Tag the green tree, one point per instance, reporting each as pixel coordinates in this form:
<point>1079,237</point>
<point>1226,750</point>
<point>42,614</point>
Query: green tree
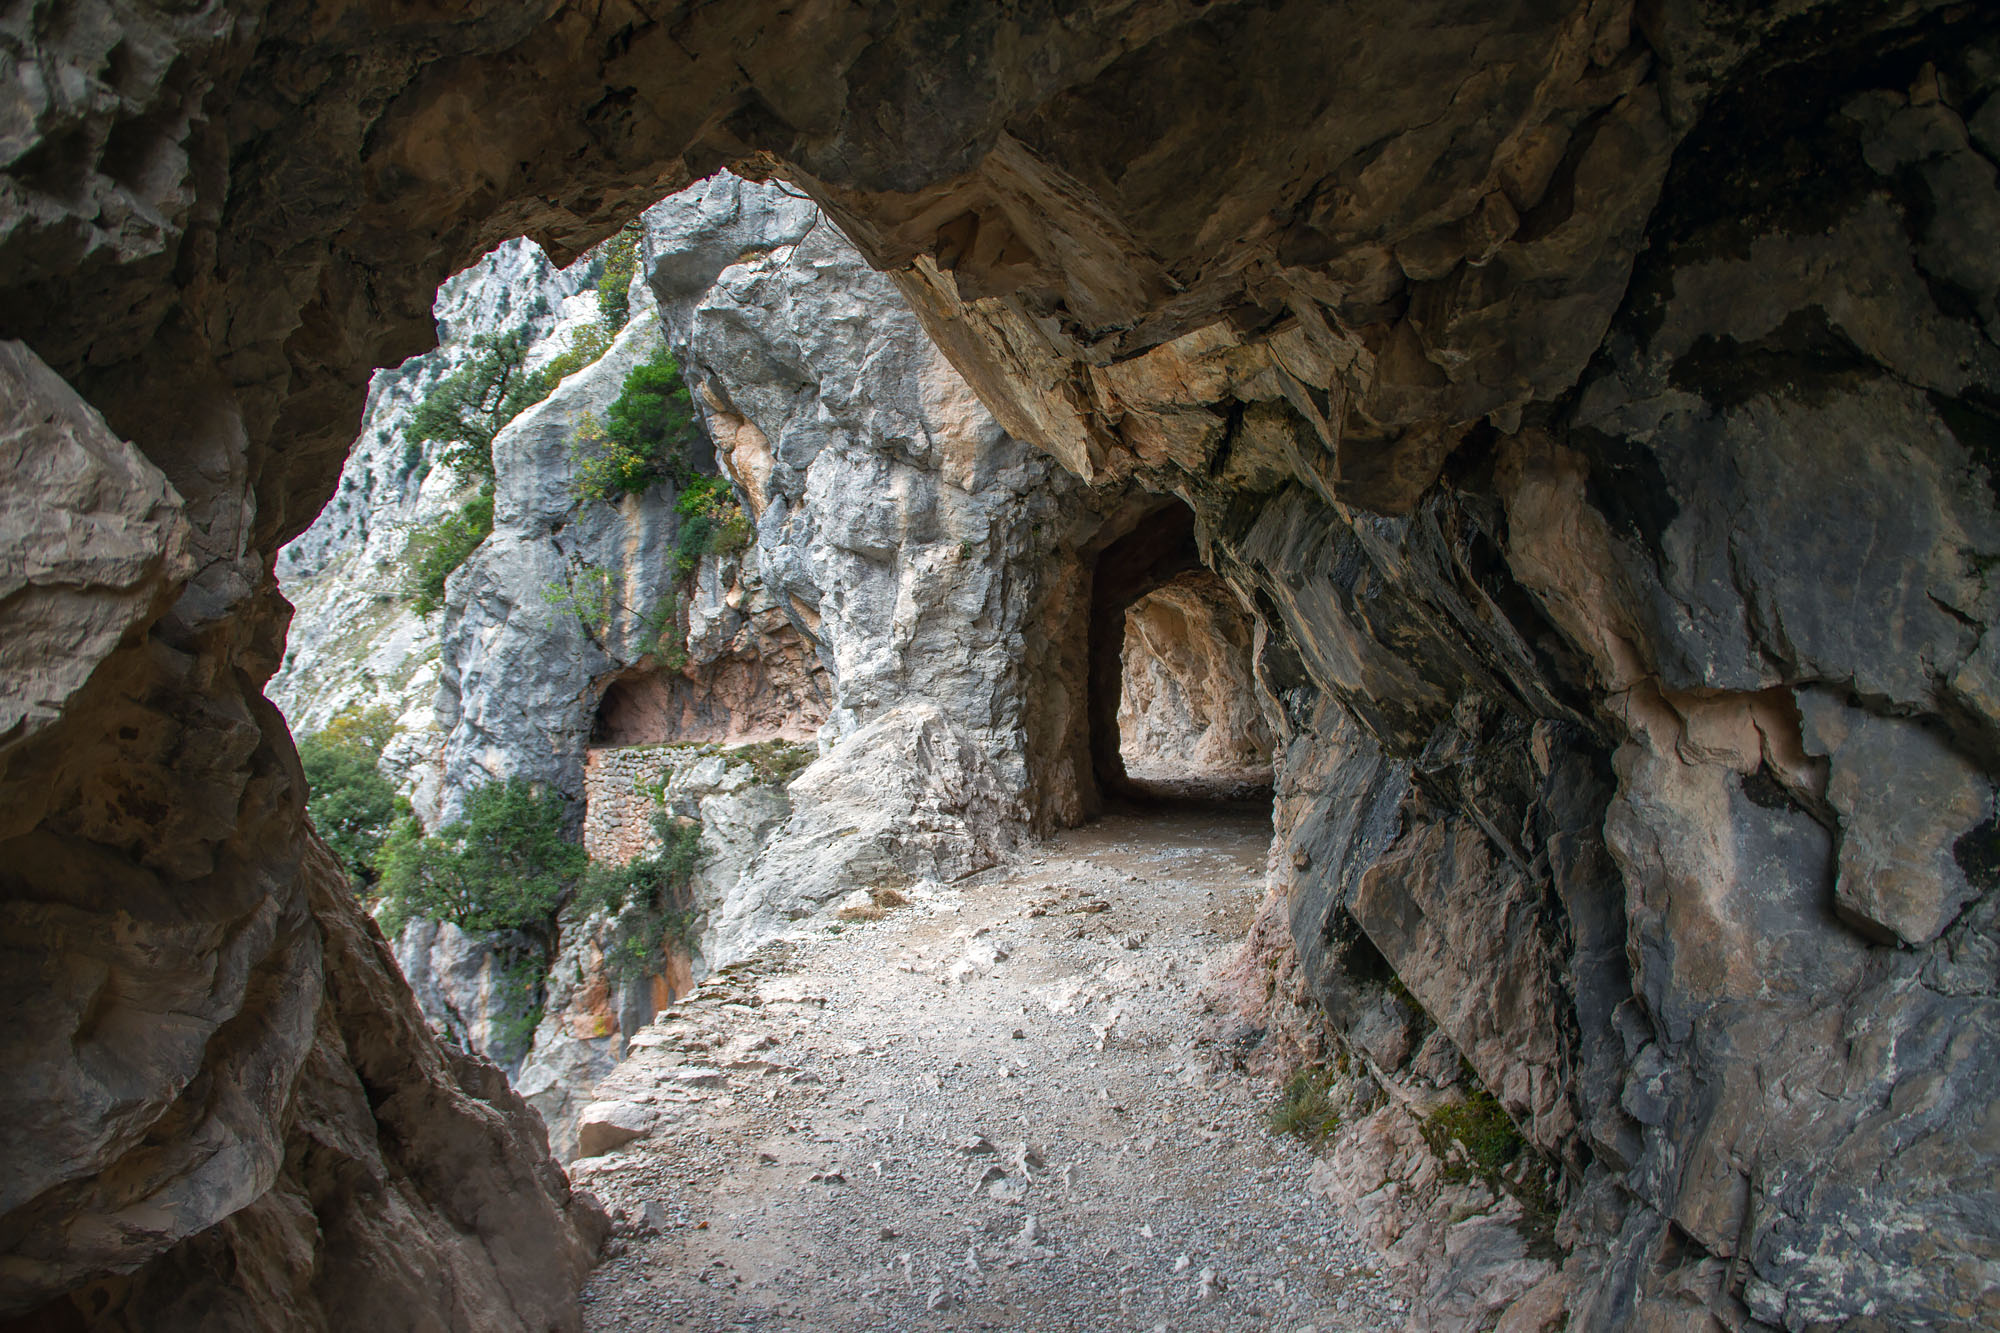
<point>352,805</point>
<point>505,866</point>
<point>647,897</point>
<point>470,405</point>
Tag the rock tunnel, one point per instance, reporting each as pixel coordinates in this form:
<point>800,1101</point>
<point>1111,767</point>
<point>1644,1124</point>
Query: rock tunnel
<point>1595,402</point>
<point>1174,710</point>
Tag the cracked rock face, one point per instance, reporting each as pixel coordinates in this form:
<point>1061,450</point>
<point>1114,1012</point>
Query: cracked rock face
<point>1594,402</point>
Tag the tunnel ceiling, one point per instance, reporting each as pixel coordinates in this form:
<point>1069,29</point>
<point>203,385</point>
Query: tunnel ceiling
<point>1398,218</point>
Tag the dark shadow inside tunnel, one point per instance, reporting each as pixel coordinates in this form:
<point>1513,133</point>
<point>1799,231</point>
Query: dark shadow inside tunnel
<point>1174,710</point>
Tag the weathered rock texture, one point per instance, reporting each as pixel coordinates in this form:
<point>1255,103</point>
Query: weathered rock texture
<point>355,641</point>
<point>1189,705</point>
<point>590,1012</point>
<point>1594,401</point>
<point>916,546</point>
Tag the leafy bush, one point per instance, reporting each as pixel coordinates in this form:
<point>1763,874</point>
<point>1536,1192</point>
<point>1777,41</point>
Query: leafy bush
<point>614,284</point>
<point>643,437</point>
<point>648,899</point>
<point>469,406</point>
<point>505,866</point>
<point>352,805</point>
<point>712,523</point>
<point>586,345</point>
<point>439,547</point>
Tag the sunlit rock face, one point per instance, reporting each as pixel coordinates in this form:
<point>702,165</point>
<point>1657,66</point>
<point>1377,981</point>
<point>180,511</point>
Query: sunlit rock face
<point>1189,705</point>
<point>1594,403</point>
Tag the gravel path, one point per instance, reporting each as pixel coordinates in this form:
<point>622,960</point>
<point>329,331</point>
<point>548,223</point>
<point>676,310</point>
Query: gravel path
<point>999,1107</point>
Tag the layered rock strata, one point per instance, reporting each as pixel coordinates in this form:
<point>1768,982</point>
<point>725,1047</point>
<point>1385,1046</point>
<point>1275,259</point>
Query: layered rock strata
<point>1593,400</point>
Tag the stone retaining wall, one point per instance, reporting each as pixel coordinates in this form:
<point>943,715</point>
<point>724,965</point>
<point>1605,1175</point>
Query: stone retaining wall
<point>618,815</point>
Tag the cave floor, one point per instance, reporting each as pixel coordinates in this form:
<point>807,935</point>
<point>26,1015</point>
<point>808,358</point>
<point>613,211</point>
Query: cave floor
<point>1005,1106</point>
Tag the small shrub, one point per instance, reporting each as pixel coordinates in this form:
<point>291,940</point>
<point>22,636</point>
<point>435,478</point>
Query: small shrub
<point>663,636</point>
<point>591,595</point>
<point>439,547</point>
<point>1305,1108</point>
<point>586,345</point>
<point>647,899</point>
<point>643,438</point>
<point>776,762</point>
<point>520,997</point>
<point>1479,1128</point>
<point>614,283</point>
<point>352,805</point>
<point>712,523</point>
<point>1476,1140</point>
<point>504,866</point>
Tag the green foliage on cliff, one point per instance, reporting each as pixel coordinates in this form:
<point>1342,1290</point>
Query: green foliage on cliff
<point>647,898</point>
<point>441,546</point>
<point>712,523</point>
<point>585,346</point>
<point>505,866</point>
<point>643,438</point>
<point>352,805</point>
<point>470,405</point>
<point>614,284</point>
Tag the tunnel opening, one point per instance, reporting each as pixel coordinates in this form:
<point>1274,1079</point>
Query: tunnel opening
<point>1175,715</point>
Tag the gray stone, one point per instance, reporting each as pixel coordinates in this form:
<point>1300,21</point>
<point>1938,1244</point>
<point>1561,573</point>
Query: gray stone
<point>1904,798</point>
<point>602,1127</point>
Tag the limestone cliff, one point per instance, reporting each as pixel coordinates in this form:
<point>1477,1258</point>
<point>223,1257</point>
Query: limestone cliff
<point>886,603</point>
<point>355,641</point>
<point>1594,402</point>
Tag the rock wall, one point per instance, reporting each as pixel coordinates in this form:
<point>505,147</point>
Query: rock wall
<point>1590,517</point>
<point>741,807</point>
<point>915,544</point>
<point>1585,793</point>
<point>218,1069</point>
<point>1190,704</point>
<point>910,542</point>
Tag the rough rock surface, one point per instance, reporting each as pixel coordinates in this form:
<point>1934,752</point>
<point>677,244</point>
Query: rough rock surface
<point>915,545</point>
<point>1568,387</point>
<point>224,1072</point>
<point>355,641</point>
<point>1190,703</point>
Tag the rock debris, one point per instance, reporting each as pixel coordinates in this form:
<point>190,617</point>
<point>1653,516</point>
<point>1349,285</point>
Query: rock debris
<point>1052,1138</point>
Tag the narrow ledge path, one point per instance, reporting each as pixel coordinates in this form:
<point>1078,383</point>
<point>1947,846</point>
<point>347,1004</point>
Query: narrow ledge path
<point>1003,1106</point>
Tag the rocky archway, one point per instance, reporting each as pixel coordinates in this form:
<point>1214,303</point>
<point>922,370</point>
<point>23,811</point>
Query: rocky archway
<point>1154,238</point>
<point>1171,679</point>
<point>1158,547</point>
<point>1190,722</point>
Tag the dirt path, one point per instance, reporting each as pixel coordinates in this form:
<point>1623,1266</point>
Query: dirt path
<point>1000,1107</point>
